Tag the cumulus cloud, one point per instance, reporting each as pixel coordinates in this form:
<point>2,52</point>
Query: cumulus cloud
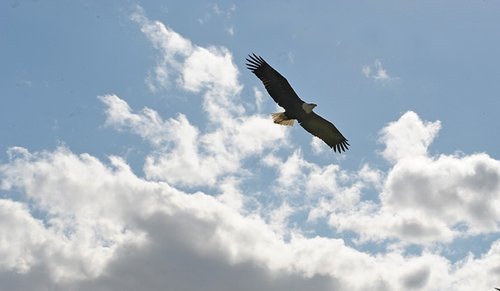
<point>408,137</point>
<point>16,220</point>
<point>71,221</point>
<point>73,236</point>
<point>118,222</point>
<point>195,158</point>
<point>178,232</point>
<point>115,230</point>
<point>452,188</point>
<point>210,71</point>
<point>425,198</point>
<point>186,156</point>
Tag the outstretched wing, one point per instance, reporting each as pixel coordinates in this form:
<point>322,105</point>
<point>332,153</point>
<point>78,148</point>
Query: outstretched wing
<point>324,129</point>
<point>276,85</point>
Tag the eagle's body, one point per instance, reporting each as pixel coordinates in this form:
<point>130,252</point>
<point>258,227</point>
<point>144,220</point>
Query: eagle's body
<point>295,108</point>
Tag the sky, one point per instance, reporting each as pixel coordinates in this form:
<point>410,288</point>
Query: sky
<point>138,153</point>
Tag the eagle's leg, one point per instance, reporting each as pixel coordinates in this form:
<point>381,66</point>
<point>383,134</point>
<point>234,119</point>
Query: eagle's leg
<point>281,118</point>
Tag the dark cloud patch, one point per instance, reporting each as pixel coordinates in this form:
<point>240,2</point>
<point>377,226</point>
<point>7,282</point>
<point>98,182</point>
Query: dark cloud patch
<point>177,257</point>
<point>484,179</point>
<point>415,229</point>
<point>37,278</point>
<point>417,279</point>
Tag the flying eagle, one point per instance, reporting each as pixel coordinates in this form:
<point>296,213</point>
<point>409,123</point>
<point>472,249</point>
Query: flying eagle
<point>295,109</point>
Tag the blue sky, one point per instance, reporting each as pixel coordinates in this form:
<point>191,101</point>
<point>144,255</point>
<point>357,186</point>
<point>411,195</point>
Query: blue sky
<point>138,151</point>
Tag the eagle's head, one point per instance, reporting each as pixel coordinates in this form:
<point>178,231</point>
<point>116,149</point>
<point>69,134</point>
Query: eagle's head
<point>308,107</point>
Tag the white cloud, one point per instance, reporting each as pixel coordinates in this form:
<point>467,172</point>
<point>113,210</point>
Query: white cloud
<point>148,124</point>
<point>210,71</point>
<point>366,70</point>
<point>423,198</point>
<point>318,146</point>
<point>259,98</point>
<point>408,137</point>
<point>78,236</point>
<point>194,158</point>
<point>485,270</point>
<point>453,189</point>
<point>186,156</point>
<point>17,225</point>
<point>377,72</point>
<point>96,214</point>
<point>196,227</point>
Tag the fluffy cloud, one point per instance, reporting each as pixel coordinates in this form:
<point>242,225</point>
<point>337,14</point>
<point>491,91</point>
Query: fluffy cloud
<point>104,228</point>
<point>408,137</point>
<point>210,71</point>
<point>73,235</point>
<point>17,221</point>
<point>426,198</point>
<point>70,221</point>
<point>87,219</point>
<point>455,189</point>
<point>186,156</point>
<point>195,158</point>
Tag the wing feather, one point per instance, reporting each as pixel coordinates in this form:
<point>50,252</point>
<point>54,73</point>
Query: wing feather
<point>276,85</point>
<point>325,130</point>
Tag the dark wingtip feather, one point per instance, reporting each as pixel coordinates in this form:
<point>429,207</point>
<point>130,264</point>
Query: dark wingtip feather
<point>254,62</point>
<point>341,147</point>
<point>336,148</point>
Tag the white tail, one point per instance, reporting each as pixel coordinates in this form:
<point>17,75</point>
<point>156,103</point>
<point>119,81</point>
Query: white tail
<point>280,118</point>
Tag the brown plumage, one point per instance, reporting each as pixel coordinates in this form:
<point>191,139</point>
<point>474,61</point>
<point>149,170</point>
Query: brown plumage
<point>295,108</point>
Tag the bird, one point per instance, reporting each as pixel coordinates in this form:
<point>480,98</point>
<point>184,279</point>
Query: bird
<point>295,108</point>
<point>497,289</point>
